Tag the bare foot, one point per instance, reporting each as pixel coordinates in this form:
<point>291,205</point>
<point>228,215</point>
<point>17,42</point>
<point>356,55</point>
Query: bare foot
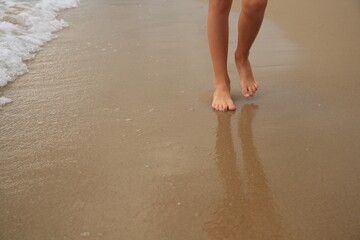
<point>222,100</point>
<point>247,81</point>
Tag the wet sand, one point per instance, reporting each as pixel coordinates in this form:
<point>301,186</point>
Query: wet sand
<point>111,135</point>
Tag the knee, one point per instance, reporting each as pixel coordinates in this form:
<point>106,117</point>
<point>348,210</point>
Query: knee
<point>254,6</point>
<point>220,6</point>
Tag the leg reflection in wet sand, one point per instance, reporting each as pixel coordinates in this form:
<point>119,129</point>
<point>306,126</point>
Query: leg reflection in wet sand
<point>247,209</point>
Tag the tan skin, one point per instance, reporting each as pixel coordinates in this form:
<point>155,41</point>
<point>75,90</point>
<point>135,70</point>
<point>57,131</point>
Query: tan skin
<point>250,20</point>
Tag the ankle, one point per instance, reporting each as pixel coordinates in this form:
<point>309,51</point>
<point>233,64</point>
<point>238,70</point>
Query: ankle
<point>222,80</point>
<point>222,86</point>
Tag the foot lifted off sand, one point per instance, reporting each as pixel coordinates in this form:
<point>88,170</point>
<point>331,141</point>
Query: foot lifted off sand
<point>248,83</point>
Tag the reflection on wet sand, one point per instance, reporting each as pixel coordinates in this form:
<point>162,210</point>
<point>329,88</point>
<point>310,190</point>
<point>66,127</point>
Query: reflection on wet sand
<point>247,209</point>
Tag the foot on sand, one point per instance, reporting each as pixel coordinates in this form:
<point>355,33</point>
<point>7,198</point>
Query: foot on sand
<point>222,100</point>
<point>247,81</point>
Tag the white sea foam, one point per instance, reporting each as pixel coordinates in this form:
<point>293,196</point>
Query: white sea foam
<point>4,100</point>
<point>24,27</point>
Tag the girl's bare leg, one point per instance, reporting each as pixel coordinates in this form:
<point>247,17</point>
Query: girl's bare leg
<point>250,20</point>
<point>218,36</point>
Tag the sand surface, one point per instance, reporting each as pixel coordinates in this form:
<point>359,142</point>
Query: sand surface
<point>111,135</point>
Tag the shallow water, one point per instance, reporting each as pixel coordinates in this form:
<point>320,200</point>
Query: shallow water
<point>24,27</point>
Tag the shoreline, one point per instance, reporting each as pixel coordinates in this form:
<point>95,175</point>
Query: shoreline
<point>111,134</point>
<point>25,29</point>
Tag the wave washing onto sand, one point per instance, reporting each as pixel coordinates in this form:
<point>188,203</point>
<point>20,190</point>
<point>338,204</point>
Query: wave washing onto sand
<point>24,27</point>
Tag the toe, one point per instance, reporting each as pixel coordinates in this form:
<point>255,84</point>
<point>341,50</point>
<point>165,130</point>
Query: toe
<point>218,107</point>
<point>222,108</point>
<point>253,90</point>
<point>225,107</point>
<point>215,106</point>
<point>245,92</point>
<point>232,107</point>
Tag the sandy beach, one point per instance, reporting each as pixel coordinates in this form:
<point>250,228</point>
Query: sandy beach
<point>110,134</point>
